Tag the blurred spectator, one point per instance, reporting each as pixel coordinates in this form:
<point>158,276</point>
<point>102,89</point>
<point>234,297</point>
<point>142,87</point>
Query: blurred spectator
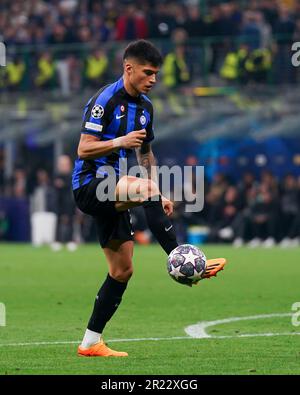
<point>75,71</point>
<point>290,207</point>
<point>296,36</point>
<point>4,225</point>
<point>45,77</point>
<point>214,30</point>
<point>101,31</point>
<point>269,8</point>
<point>42,207</point>
<point>60,36</point>
<point>180,15</point>
<point>214,197</point>
<point>161,21</point>
<point>175,69</point>
<point>65,207</point>
<point>223,21</point>
<point>284,27</point>
<point>131,24</point>
<point>84,35</point>
<point>292,238</point>
<point>195,25</point>
<point>96,67</point>
<point>245,185</point>
<point>43,197</point>
<point>264,212</point>
<point>218,186</point>
<point>284,31</point>
<point>196,29</point>
<point>258,65</point>
<point>38,35</point>
<point>269,181</point>
<point>265,31</point>
<point>230,206</point>
<point>15,71</point>
<point>251,32</point>
<point>233,68</point>
<point>19,183</point>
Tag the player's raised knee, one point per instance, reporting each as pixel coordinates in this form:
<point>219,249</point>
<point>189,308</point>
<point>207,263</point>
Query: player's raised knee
<point>122,274</point>
<point>148,189</point>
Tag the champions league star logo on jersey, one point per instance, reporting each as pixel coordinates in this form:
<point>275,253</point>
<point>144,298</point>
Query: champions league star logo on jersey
<point>97,111</point>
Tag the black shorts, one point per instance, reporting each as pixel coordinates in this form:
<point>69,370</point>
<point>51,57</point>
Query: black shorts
<point>111,224</point>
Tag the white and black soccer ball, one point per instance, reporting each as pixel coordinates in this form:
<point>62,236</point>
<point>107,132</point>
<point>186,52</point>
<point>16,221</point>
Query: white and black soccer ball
<point>186,264</point>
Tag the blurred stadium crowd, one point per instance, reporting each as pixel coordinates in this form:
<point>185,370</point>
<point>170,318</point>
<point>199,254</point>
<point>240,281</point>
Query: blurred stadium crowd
<point>262,211</point>
<point>70,43</point>
<point>255,212</point>
<point>69,21</point>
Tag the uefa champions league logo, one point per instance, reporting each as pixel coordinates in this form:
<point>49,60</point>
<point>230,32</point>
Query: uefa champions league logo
<point>296,55</point>
<point>2,314</point>
<point>2,55</point>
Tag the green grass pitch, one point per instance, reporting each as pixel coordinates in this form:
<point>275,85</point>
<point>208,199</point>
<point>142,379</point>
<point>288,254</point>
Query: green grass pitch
<point>48,298</point>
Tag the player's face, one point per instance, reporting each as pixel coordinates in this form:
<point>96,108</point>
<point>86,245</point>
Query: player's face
<point>142,77</point>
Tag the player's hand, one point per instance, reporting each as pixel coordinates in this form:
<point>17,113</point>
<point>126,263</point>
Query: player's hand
<point>134,139</point>
<point>168,206</point>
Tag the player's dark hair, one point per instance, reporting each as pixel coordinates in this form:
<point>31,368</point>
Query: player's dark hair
<point>144,52</point>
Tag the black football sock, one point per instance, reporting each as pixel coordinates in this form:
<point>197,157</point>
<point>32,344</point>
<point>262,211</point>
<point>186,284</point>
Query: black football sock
<point>159,224</point>
<point>107,301</point>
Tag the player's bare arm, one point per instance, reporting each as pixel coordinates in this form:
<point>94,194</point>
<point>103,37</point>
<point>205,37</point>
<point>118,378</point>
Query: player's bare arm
<point>146,159</point>
<point>91,147</point>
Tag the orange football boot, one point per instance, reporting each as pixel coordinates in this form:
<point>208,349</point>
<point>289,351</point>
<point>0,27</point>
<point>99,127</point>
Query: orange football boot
<point>213,266</point>
<point>100,350</point>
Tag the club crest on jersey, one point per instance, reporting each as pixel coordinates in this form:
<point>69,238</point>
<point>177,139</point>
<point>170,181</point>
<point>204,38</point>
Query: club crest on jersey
<point>122,108</point>
<point>97,111</point>
<point>143,120</point>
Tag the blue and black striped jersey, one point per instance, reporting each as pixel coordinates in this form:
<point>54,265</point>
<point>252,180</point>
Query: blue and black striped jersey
<point>112,113</point>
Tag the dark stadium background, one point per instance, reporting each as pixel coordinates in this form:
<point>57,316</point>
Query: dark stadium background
<point>231,104</point>
<point>228,99</point>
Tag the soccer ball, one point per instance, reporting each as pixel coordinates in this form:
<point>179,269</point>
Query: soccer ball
<point>186,264</point>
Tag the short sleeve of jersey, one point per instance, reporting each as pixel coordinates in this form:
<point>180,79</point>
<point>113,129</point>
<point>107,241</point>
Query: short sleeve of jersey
<point>149,128</point>
<point>95,117</point>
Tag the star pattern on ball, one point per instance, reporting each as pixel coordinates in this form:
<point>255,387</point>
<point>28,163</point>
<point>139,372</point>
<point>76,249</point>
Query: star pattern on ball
<point>189,257</point>
<point>175,272</point>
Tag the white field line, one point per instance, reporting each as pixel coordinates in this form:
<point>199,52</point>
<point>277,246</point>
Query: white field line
<point>196,331</point>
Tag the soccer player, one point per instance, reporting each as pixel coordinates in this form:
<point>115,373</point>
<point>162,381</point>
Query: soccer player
<point>117,120</point>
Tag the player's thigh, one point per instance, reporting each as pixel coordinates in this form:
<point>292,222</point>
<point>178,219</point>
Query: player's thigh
<point>119,257</point>
<point>133,191</point>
